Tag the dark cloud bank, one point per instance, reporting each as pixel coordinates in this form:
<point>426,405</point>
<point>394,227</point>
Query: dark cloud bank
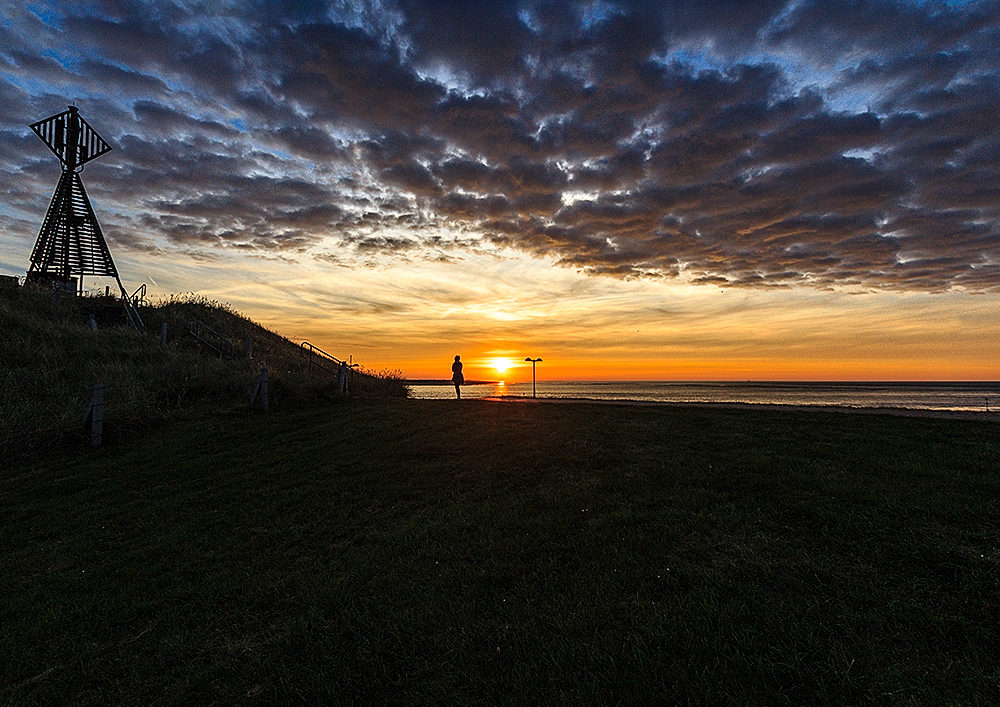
<point>851,143</point>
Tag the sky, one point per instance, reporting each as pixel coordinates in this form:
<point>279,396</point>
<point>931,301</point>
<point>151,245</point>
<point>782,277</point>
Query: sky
<point>650,190</point>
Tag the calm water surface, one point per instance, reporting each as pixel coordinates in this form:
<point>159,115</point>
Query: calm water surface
<point>969,397</point>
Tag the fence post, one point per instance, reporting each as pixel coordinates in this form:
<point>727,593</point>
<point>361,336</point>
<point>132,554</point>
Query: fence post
<point>249,347</point>
<point>95,416</point>
<point>260,390</point>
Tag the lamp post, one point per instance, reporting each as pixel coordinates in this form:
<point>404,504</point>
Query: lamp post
<point>533,362</point>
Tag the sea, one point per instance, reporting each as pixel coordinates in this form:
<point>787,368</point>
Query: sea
<point>936,396</point>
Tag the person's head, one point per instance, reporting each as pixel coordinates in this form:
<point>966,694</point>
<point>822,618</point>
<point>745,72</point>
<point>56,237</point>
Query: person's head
<point>457,357</point>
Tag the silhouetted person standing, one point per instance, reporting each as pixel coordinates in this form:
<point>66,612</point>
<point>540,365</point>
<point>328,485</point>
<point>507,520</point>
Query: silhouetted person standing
<point>456,376</point>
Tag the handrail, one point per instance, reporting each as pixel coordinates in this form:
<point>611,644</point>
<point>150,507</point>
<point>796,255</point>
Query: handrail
<point>311,352</point>
<point>139,296</point>
<point>131,305</point>
<point>133,316</point>
<point>343,370</point>
<point>224,347</point>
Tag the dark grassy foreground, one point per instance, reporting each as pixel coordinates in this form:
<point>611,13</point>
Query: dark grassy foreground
<point>442,552</point>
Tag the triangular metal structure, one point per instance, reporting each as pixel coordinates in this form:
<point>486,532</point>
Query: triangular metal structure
<point>70,242</point>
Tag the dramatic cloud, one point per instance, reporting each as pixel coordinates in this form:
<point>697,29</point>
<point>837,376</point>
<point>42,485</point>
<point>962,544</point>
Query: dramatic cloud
<point>850,144</point>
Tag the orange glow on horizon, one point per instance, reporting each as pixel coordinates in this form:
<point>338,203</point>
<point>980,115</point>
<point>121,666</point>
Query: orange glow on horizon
<point>575,369</point>
<point>790,337</point>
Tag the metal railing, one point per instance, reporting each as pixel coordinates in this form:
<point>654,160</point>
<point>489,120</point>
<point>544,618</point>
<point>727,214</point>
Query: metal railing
<point>132,313</point>
<point>132,305</point>
<point>209,337</point>
<point>319,358</point>
<point>138,297</point>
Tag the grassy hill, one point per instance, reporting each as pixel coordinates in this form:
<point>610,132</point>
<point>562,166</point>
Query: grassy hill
<point>50,360</point>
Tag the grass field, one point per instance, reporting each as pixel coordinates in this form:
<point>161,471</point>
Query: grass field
<point>413,552</point>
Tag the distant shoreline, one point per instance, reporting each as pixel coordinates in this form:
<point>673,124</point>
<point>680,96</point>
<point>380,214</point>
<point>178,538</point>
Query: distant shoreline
<point>973,400</point>
<point>905,412</point>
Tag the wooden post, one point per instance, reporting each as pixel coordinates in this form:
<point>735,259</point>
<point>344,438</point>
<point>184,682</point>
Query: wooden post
<point>260,390</point>
<point>249,347</point>
<point>95,416</point>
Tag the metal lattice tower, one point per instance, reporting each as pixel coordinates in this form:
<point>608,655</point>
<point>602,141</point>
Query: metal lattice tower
<point>70,242</point>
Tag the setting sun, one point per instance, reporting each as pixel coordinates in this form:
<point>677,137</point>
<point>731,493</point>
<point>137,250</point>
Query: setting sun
<point>501,364</point>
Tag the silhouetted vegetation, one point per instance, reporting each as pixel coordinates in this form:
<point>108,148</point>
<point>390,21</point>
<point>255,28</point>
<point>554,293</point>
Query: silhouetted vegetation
<point>51,360</point>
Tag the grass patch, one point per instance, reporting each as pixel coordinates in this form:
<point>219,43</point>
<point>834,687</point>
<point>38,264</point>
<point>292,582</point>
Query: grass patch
<point>445,552</point>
